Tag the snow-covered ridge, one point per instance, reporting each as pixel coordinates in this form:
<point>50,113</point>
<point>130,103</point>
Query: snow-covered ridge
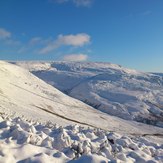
<point>111,88</point>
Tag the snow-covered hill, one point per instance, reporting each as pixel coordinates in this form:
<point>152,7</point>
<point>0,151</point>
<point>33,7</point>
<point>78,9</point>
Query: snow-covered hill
<point>23,94</point>
<point>113,89</point>
<point>38,123</point>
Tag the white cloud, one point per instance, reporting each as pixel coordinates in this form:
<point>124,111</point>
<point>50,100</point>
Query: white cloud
<point>35,40</point>
<point>75,57</point>
<point>74,40</point>
<point>6,38</point>
<point>69,40</point>
<point>50,47</point>
<point>84,3</point>
<point>4,34</point>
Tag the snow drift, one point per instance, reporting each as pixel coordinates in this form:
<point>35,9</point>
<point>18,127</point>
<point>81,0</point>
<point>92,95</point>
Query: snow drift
<point>22,141</point>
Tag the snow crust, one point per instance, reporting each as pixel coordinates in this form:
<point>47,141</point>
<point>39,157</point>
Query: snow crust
<point>22,141</point>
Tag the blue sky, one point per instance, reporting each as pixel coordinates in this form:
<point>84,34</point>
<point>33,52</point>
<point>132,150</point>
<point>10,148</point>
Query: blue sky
<point>125,32</point>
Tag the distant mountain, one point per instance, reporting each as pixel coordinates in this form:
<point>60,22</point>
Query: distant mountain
<point>108,87</point>
<point>160,74</point>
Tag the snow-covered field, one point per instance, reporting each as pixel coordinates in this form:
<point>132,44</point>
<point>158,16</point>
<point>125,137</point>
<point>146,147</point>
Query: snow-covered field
<point>40,124</point>
<point>111,88</point>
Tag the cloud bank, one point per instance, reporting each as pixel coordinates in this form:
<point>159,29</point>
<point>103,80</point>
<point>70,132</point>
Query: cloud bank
<point>77,40</point>
<point>75,57</point>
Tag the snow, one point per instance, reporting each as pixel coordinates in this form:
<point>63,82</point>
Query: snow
<point>40,124</point>
<point>108,87</point>
<point>24,95</point>
<point>30,142</point>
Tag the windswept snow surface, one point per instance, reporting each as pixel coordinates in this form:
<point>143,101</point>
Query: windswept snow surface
<point>29,142</point>
<point>110,88</point>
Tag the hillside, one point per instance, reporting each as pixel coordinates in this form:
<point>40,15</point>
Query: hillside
<point>108,87</point>
<point>24,95</point>
<point>38,123</point>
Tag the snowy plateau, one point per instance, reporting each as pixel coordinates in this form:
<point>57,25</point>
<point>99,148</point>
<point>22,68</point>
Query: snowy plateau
<point>57,112</point>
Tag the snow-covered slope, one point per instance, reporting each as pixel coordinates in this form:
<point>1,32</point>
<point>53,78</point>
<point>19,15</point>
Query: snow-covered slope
<point>23,94</point>
<point>30,109</point>
<point>115,90</point>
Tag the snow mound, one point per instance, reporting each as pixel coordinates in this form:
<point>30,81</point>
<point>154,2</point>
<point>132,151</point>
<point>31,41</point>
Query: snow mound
<point>22,141</point>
